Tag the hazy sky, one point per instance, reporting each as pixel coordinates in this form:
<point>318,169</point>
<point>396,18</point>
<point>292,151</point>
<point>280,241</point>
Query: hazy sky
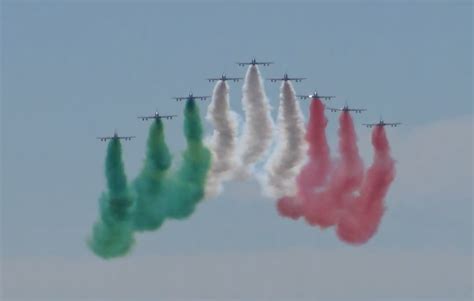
<point>74,70</point>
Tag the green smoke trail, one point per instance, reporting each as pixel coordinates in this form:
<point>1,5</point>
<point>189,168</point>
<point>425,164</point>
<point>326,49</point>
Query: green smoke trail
<point>185,188</point>
<point>161,194</point>
<point>157,194</point>
<point>112,235</point>
<point>149,212</point>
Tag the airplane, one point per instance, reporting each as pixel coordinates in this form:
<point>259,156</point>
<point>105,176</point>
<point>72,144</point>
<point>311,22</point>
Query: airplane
<point>156,116</point>
<point>315,95</point>
<point>346,108</point>
<point>225,78</point>
<point>115,136</point>
<point>286,78</point>
<point>382,123</point>
<point>254,62</point>
<point>191,97</point>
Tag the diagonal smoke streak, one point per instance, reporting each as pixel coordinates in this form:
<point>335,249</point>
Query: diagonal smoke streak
<point>223,141</point>
<point>258,127</point>
<point>289,155</point>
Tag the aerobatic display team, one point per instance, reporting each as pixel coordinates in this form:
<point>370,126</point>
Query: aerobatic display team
<point>301,174</point>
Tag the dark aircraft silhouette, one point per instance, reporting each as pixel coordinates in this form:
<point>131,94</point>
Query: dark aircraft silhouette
<point>286,78</point>
<point>117,137</point>
<point>156,116</point>
<point>346,108</point>
<point>315,95</point>
<point>225,78</point>
<point>191,97</point>
<point>382,123</point>
<point>254,62</point>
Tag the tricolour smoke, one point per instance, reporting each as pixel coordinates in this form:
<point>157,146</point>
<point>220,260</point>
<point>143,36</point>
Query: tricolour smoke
<point>148,186</point>
<point>363,214</point>
<point>314,174</point>
<point>324,208</point>
<point>258,127</point>
<point>289,155</point>
<point>223,141</point>
<point>112,234</point>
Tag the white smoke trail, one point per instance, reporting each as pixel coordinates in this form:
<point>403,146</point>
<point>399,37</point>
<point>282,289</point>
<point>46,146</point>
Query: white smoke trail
<point>223,141</point>
<point>257,133</point>
<point>289,155</point>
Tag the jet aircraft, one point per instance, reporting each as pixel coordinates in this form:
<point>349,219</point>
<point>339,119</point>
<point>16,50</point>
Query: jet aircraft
<point>225,78</point>
<point>254,62</point>
<point>315,95</point>
<point>191,97</point>
<point>346,108</point>
<point>156,116</point>
<point>286,78</point>
<point>116,136</point>
<point>382,123</point>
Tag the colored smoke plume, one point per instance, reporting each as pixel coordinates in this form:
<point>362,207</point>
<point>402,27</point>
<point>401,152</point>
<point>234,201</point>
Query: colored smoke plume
<point>258,128</point>
<point>289,155</point>
<point>112,234</point>
<point>149,213</point>
<point>223,141</point>
<point>324,208</point>
<point>314,174</point>
<point>185,188</point>
<point>363,214</point>
<point>156,194</point>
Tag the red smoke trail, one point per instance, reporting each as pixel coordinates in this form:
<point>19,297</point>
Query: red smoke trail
<point>325,207</point>
<point>362,215</point>
<point>314,173</point>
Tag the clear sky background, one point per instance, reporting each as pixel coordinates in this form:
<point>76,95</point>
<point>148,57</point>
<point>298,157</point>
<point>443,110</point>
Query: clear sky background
<point>74,70</point>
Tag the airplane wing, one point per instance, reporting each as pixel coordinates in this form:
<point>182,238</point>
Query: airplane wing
<point>297,79</point>
<point>334,109</point>
<point>234,79</point>
<point>201,97</point>
<point>393,124</point>
<point>369,125</point>
<point>274,80</point>
<point>104,138</point>
<point>168,116</point>
<point>145,117</point>
<point>179,98</point>
<point>126,137</point>
<point>302,96</point>
<point>357,110</point>
<point>326,97</point>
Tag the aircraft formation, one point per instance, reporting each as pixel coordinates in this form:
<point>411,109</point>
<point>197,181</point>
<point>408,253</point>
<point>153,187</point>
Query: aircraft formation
<point>289,157</point>
<point>285,78</point>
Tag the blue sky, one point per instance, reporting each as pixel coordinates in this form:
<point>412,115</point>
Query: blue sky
<point>74,70</point>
